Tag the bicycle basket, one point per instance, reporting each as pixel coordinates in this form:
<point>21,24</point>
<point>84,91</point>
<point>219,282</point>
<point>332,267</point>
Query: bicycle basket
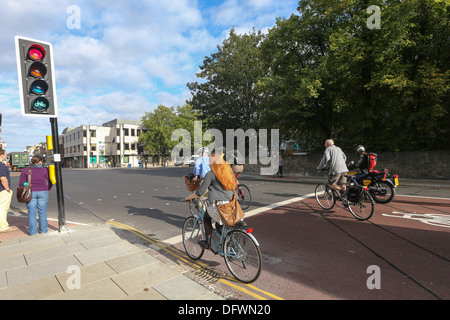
<point>191,185</point>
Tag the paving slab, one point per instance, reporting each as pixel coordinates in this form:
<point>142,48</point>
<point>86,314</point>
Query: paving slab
<point>32,290</point>
<point>88,275</point>
<point>40,270</point>
<point>53,253</point>
<point>30,246</point>
<point>101,290</point>
<point>106,253</point>
<point>182,288</point>
<point>12,262</point>
<point>131,261</point>
<point>143,278</point>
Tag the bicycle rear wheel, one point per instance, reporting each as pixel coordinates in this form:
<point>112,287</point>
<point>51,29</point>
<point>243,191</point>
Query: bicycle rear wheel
<point>325,196</point>
<point>242,256</point>
<point>363,209</point>
<point>244,196</point>
<point>191,235</point>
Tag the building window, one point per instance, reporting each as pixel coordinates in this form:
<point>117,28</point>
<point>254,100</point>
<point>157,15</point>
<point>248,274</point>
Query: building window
<point>92,133</point>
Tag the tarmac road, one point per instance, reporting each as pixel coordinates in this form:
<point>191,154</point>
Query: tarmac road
<point>401,253</point>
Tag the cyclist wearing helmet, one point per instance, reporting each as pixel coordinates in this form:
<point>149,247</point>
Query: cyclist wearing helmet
<point>362,162</point>
<point>201,166</point>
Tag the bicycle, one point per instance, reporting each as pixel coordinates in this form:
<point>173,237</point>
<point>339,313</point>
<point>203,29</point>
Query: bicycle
<point>359,201</point>
<point>236,245</point>
<point>243,194</point>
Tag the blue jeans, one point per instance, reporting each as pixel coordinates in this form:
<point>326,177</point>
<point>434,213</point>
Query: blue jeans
<point>39,203</point>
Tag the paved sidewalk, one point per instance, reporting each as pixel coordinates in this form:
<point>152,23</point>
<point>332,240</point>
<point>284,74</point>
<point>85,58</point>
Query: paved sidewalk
<point>87,262</point>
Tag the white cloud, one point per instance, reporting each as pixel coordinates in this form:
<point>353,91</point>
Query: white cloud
<point>128,57</point>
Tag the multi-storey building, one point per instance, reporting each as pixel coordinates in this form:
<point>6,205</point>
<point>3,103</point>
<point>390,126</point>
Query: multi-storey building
<point>112,144</point>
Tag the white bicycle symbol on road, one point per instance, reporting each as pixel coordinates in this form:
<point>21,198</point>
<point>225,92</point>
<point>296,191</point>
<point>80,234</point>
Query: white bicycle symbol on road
<point>434,219</point>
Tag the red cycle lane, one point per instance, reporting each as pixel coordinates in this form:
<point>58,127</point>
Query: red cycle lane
<point>402,252</point>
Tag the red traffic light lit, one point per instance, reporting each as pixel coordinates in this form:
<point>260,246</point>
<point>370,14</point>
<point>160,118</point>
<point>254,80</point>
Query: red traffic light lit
<point>36,52</point>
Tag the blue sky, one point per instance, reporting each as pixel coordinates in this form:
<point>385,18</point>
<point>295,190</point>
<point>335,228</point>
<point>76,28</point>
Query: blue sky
<point>125,59</point>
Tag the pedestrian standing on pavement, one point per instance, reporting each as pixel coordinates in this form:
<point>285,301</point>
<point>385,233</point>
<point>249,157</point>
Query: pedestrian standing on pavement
<point>280,166</point>
<point>336,158</point>
<point>40,185</point>
<point>5,194</point>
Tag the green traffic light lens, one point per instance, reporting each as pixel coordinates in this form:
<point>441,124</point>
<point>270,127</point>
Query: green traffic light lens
<point>39,87</point>
<point>40,104</point>
<point>38,70</point>
<point>36,52</point>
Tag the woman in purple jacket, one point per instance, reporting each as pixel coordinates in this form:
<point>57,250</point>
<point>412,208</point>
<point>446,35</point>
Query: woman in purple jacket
<point>40,185</point>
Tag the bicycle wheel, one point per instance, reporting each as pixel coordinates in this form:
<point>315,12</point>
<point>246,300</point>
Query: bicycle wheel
<point>325,196</point>
<point>244,196</point>
<point>242,256</point>
<point>191,235</point>
<point>363,209</point>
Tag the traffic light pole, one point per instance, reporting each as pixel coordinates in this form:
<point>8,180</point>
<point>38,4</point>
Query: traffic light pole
<point>58,173</point>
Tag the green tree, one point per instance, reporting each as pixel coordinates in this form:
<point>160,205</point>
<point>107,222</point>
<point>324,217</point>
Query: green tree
<point>159,126</point>
<point>412,75</point>
<point>329,75</point>
<point>227,98</point>
<point>162,122</point>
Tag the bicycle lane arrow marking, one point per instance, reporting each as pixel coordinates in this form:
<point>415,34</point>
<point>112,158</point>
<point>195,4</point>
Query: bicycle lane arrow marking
<point>434,219</point>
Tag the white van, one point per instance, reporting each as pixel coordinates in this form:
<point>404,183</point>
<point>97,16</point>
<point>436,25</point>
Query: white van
<point>193,159</point>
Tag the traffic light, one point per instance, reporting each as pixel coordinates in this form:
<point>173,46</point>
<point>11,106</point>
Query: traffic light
<point>140,148</point>
<point>35,68</point>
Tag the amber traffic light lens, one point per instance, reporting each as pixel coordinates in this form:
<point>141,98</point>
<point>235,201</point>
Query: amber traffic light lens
<point>38,70</point>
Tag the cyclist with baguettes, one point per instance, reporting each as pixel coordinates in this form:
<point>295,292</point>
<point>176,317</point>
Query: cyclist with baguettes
<point>336,158</point>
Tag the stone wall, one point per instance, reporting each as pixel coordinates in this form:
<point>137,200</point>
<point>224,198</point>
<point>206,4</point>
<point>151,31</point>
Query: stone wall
<point>407,164</point>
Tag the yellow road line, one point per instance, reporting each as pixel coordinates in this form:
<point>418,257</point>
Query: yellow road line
<point>195,264</point>
<point>254,295</point>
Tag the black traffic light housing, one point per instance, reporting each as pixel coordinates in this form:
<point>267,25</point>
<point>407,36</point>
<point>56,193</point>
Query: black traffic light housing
<point>35,69</point>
